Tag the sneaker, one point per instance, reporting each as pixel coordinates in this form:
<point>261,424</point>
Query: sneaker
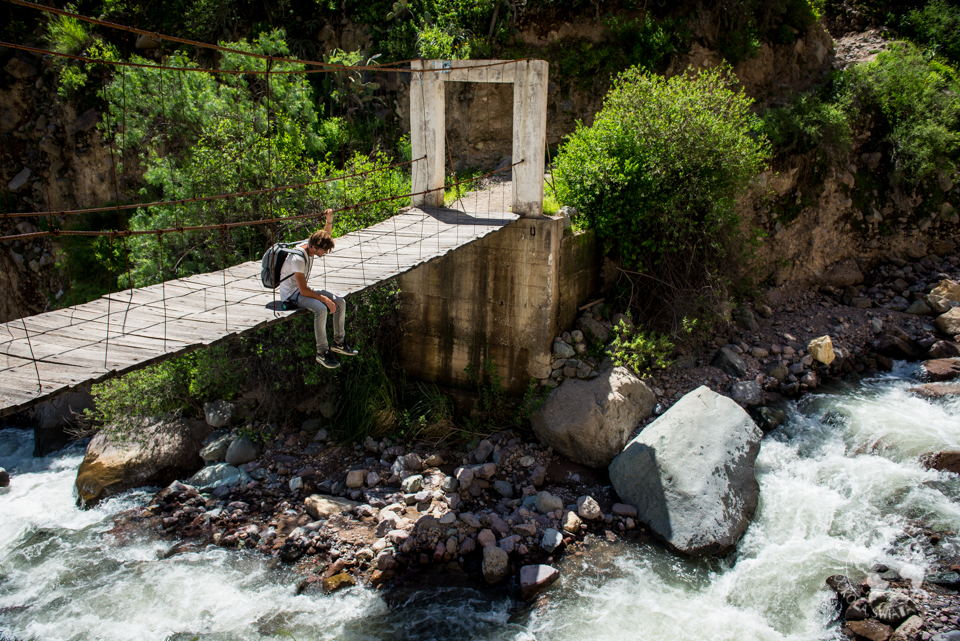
<point>328,360</point>
<point>344,348</point>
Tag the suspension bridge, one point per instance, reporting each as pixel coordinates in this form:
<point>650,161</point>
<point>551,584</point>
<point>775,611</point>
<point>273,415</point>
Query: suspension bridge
<point>54,352</point>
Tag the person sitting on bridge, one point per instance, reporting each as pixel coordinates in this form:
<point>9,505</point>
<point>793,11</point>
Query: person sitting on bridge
<point>295,293</point>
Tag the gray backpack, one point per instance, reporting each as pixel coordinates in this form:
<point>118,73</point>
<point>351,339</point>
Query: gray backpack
<point>272,263</point>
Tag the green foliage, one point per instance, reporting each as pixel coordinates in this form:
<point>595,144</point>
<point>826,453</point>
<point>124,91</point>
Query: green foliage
<point>937,26</point>
<point>810,123</point>
<point>491,410</point>
<point>746,24</point>
<point>184,382</point>
<point>67,35</point>
<point>915,105</point>
<point>640,350</point>
<point>657,177</point>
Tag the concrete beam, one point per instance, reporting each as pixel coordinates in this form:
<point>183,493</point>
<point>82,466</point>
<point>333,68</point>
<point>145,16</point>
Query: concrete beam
<point>427,130</point>
<point>529,137</point>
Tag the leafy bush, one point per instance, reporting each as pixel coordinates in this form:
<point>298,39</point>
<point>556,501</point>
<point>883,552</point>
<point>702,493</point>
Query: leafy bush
<point>184,382</point>
<point>914,103</point>
<point>937,25</point>
<point>640,350</point>
<point>810,123</point>
<point>67,35</point>
<point>657,176</point>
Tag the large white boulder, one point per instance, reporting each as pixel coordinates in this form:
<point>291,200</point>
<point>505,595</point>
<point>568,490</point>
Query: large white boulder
<point>590,421</point>
<point>690,473</point>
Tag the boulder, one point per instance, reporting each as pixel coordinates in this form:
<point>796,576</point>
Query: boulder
<point>948,289</point>
<point>936,390</point>
<point>320,506</point>
<point>589,422</point>
<point>163,451</point>
<point>218,413</point>
<point>242,450</point>
<point>745,319</point>
<point>942,461</point>
<point>217,475</point>
<point>949,323</point>
<point>496,565</point>
<point>821,349</point>
<point>919,307</point>
<point>747,393</point>
<point>215,446</point>
<point>19,181</point>
<point>593,329</point>
<point>534,578</point>
<point>846,273</point>
<point>891,606</point>
<point>942,369</point>
<point>944,349</point>
<point>690,473</point>
<point>588,508</point>
<point>896,343</point>
<point>768,418</point>
<point>909,630</point>
<point>728,360</point>
<point>20,67</point>
<point>4,477</point>
<point>870,629</point>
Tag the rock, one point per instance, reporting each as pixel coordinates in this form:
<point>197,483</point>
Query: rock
<point>534,578</point>
<point>216,448</point>
<point>727,360</point>
<point>936,390</point>
<point>571,522</point>
<point>562,350</point>
<point>311,425</point>
<point>876,325</point>
<point>949,323</point>
<point>551,540</point>
<point>163,451</point>
<point>547,503</point>
<point>434,460</point>
<point>858,610</point>
<point>412,462</point>
<point>938,304</point>
<point>84,122</point>
<point>147,41</point>
<point>412,484</point>
<point>942,461</point>
<point>4,478</point>
<point>890,606</point>
<point>871,629</point>
<point>953,635</point>
<point>943,369</point>
<point>356,479</point>
<point>217,475</point>
<point>919,307</point>
<point>948,289</point>
<point>846,273</point>
<point>847,591</point>
<point>747,393</point>
<point>821,349</point>
<point>944,349</point>
<point>319,506</point>
<point>496,565</point>
<point>745,319</point>
<point>768,418</point>
<point>896,343</point>
<point>218,413</point>
<point>624,509</point>
<point>296,483</point>
<point>778,370</point>
<point>20,67</point>
<point>690,473</point>
<point>242,450</point>
<point>504,488</point>
<point>593,329</point>
<point>483,451</point>
<point>588,508</point>
<point>486,538</point>
<point>590,421</point>
<point>290,552</point>
<point>19,181</point>
<point>337,581</point>
<point>909,630</point>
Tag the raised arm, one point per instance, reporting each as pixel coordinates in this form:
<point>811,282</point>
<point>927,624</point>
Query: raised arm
<point>329,226</point>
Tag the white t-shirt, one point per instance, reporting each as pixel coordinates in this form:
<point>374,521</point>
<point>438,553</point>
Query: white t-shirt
<point>294,263</point>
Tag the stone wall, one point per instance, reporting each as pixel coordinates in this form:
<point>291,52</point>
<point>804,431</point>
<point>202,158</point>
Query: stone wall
<point>502,298</point>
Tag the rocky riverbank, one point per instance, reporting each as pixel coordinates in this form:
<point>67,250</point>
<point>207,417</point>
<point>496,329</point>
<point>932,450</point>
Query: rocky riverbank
<point>507,508</point>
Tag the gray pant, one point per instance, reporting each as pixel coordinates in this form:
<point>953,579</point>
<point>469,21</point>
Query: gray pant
<point>320,317</point>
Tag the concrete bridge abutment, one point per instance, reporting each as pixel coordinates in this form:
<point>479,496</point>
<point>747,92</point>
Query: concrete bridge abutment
<point>500,300</point>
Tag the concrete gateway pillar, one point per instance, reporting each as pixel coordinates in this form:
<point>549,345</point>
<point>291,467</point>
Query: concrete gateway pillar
<point>427,125</point>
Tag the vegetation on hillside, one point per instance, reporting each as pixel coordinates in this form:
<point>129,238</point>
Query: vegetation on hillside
<point>657,176</point>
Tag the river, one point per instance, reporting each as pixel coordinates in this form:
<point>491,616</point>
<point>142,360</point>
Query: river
<point>839,483</point>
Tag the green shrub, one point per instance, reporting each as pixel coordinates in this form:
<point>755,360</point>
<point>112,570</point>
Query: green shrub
<point>67,35</point>
<point>657,177</point>
<point>640,350</point>
<point>914,106</point>
<point>937,25</point>
<point>810,123</point>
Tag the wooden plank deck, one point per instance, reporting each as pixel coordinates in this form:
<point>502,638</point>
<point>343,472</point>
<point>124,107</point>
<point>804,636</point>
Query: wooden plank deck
<point>127,330</point>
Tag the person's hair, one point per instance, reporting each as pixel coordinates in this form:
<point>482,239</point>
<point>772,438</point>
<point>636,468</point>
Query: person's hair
<point>321,240</point>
